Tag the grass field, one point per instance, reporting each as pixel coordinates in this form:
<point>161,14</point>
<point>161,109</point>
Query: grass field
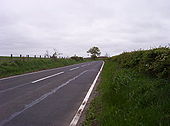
<point>17,66</point>
<point>128,97</point>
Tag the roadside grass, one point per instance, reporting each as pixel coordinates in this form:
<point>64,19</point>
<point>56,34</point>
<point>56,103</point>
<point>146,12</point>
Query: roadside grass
<point>129,98</point>
<point>16,67</point>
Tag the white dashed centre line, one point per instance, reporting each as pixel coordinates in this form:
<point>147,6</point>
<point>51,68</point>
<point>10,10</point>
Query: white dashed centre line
<point>83,65</point>
<point>41,98</point>
<point>47,77</point>
<point>74,68</point>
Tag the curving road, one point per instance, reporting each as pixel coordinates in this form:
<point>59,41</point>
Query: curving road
<point>46,98</point>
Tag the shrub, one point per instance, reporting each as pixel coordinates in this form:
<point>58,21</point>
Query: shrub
<point>77,58</point>
<point>154,62</point>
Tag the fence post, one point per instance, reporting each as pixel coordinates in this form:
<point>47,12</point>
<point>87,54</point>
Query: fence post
<point>11,55</point>
<point>34,56</point>
<point>40,56</point>
<point>23,58</point>
<point>27,57</point>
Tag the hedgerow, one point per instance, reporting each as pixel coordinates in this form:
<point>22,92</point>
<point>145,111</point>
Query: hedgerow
<point>155,62</point>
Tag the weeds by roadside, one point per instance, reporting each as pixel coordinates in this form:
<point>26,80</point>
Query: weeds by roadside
<point>129,98</point>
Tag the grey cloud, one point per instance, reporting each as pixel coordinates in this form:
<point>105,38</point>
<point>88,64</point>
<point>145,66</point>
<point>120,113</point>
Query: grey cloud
<point>74,26</point>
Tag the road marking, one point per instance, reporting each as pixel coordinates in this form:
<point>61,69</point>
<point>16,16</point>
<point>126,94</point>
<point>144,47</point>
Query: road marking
<point>83,65</point>
<point>47,77</point>
<point>36,72</point>
<point>30,73</point>
<point>44,96</point>
<point>22,85</point>
<point>83,104</point>
<point>74,68</point>
<point>9,89</point>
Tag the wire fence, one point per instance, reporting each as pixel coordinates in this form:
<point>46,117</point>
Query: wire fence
<point>13,58</point>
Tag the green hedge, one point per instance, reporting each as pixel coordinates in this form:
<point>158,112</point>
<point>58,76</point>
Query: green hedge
<point>154,62</point>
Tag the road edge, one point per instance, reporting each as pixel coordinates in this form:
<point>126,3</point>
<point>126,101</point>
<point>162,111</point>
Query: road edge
<point>83,104</point>
<point>39,71</point>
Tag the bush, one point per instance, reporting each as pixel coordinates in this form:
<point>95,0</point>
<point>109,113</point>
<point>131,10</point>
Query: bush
<point>154,62</point>
<point>77,58</point>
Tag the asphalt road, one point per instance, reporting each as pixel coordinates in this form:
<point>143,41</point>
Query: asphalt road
<point>45,98</point>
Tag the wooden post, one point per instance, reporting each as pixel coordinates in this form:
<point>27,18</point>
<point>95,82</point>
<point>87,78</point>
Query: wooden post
<point>20,56</point>
<point>40,56</point>
<point>23,58</point>
<point>27,57</point>
<point>11,55</point>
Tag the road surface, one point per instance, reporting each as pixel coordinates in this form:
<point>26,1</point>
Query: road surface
<point>46,98</point>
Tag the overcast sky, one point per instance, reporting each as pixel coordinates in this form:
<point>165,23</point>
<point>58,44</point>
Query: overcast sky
<point>73,26</point>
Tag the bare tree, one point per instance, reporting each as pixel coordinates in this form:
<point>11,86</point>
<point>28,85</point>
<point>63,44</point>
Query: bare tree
<point>56,54</point>
<point>107,55</point>
<point>47,54</point>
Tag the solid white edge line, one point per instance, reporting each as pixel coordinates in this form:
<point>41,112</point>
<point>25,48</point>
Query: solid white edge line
<point>83,104</point>
<point>38,100</point>
<point>31,73</point>
<point>38,71</point>
<point>47,77</point>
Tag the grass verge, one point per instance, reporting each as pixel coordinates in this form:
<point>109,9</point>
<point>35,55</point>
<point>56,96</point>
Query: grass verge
<point>24,66</point>
<point>129,98</point>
